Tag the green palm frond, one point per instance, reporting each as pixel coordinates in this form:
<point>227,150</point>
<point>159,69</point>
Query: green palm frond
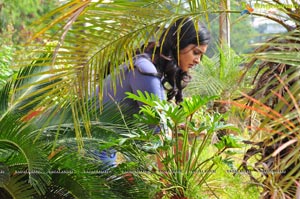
<point>18,188</point>
<point>31,87</point>
<point>217,75</point>
<point>110,121</point>
<point>91,39</point>
<point>275,96</point>
<point>282,48</point>
<point>83,180</point>
<point>5,96</point>
<point>17,138</point>
<point>278,148</point>
<point>90,178</point>
<point>80,180</point>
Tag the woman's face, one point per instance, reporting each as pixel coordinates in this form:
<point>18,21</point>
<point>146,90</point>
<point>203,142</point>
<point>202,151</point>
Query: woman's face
<point>191,56</point>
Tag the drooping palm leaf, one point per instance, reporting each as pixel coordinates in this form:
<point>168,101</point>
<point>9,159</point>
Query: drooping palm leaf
<point>22,94</point>
<point>91,39</point>
<point>275,97</point>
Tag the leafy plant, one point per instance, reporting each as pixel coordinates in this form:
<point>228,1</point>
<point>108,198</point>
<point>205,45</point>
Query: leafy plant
<point>274,98</point>
<point>38,148</point>
<point>181,153</point>
<point>219,75</point>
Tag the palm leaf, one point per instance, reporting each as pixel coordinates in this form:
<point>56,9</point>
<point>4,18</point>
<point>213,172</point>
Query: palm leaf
<point>88,37</point>
<point>218,75</point>
<point>5,96</point>
<point>22,94</point>
<point>275,97</point>
<point>17,137</point>
<point>18,188</point>
<point>80,180</point>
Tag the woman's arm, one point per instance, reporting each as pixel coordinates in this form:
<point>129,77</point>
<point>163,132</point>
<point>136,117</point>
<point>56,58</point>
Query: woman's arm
<point>142,79</point>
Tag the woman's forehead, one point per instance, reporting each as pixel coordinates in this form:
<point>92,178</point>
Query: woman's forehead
<point>201,48</point>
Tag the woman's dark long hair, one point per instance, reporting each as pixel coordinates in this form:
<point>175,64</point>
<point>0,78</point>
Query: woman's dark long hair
<point>178,36</point>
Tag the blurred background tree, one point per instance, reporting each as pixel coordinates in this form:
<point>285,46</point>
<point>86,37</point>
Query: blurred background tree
<point>15,28</point>
<point>241,30</point>
<point>16,17</point>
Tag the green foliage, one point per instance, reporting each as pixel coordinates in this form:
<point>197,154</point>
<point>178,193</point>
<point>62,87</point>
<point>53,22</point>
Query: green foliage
<point>18,152</point>
<point>274,98</point>
<point>15,20</point>
<point>242,32</point>
<point>16,16</point>
<point>219,75</point>
<point>231,183</point>
<point>6,54</point>
<point>227,141</point>
<point>87,36</point>
<point>185,168</point>
<point>38,148</point>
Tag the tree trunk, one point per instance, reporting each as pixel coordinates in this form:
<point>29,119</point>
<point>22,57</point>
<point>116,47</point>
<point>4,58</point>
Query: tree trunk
<point>224,26</point>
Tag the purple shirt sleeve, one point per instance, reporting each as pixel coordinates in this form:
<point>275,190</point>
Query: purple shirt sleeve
<point>139,78</point>
<point>146,83</point>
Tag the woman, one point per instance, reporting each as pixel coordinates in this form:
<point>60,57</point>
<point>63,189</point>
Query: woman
<point>181,48</point>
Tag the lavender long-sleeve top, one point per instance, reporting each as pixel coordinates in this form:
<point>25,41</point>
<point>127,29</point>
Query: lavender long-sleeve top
<point>133,81</point>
